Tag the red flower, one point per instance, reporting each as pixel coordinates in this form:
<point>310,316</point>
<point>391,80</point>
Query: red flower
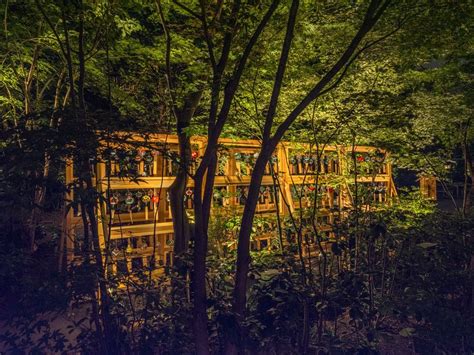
<point>360,158</point>
<point>194,155</point>
<point>155,199</point>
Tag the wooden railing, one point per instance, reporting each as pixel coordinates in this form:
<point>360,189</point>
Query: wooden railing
<point>134,182</point>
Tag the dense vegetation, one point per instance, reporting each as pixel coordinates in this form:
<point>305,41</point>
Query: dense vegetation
<point>393,74</point>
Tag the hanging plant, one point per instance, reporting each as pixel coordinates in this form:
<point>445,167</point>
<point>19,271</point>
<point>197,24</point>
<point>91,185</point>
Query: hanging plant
<point>217,194</point>
<point>113,155</point>
<point>379,157</point>
<point>129,200</point>
<point>148,158</point>
<point>266,193</point>
<point>114,200</point>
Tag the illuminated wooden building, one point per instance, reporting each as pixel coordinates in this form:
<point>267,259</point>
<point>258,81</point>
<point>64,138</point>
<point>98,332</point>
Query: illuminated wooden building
<point>135,212</point>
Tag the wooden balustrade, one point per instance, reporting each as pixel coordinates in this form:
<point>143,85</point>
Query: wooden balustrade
<point>134,182</point>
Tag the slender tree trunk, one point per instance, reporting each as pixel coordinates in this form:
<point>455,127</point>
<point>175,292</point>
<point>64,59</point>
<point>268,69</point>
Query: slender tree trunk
<point>38,196</point>
<point>199,274</point>
<point>468,173</point>
<point>268,147</point>
<point>85,149</point>
<point>243,247</point>
<point>209,191</point>
<point>86,145</point>
<point>181,228</point>
<point>374,11</point>
<point>202,204</point>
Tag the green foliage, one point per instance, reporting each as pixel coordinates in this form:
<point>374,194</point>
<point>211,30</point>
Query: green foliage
<point>402,269</point>
<point>434,281</point>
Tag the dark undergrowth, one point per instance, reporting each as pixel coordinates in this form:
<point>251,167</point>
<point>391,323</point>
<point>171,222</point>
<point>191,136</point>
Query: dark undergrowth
<point>397,280</point>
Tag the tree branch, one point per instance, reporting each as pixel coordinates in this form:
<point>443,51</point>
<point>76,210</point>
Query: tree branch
<point>232,85</point>
<point>207,37</point>
<point>281,70</point>
<point>188,10</point>
<point>50,24</point>
<point>167,57</point>
<point>373,13</point>
<point>238,71</point>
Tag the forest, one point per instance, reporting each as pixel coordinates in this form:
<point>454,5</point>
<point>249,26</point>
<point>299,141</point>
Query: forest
<point>237,177</point>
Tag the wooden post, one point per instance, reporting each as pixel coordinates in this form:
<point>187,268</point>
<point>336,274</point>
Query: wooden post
<point>428,187</point>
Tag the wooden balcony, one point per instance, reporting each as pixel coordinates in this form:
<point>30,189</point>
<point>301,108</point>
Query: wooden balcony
<point>133,179</point>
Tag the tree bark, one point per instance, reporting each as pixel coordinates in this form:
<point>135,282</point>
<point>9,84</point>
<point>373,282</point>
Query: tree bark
<point>243,247</point>
<point>468,172</point>
<point>199,274</point>
<point>181,227</point>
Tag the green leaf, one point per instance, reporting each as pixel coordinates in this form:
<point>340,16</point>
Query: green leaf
<point>407,332</point>
<point>427,245</point>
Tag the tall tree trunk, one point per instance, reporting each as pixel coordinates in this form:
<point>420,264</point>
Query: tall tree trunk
<point>85,149</point>
<point>373,13</point>
<point>468,172</point>
<point>38,196</point>
<point>176,192</point>
<point>181,227</point>
<point>268,146</point>
<point>243,247</point>
<point>203,193</point>
<point>199,274</point>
